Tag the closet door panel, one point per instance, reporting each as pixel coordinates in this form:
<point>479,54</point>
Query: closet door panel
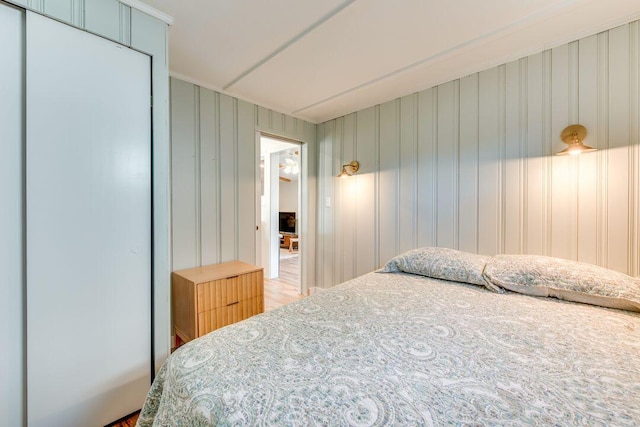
<point>11,214</point>
<point>88,227</point>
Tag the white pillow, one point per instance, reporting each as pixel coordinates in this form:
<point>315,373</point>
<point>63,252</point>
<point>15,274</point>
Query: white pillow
<point>563,279</point>
<point>442,263</point>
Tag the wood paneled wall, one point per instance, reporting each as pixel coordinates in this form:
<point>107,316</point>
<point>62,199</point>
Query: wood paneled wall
<point>107,18</point>
<point>214,166</point>
<point>470,165</point>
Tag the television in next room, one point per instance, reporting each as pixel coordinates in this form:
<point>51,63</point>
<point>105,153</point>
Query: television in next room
<point>287,222</point>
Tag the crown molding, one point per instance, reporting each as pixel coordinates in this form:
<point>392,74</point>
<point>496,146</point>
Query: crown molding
<point>143,7</point>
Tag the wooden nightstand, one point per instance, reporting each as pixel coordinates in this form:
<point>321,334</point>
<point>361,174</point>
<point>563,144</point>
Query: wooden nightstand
<point>210,297</point>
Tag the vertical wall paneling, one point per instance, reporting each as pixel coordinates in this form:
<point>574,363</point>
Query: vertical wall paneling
<point>12,223</point>
<point>548,142</point>
<point>563,184</point>
<point>328,165</point>
<point>337,259</point>
<point>426,166</point>
<point>634,142</point>
<point>183,175</point>
<point>603,147</point>
<point>322,188</point>
<point>36,5</point>
<point>471,163</point>
<point>388,187</point>
<point>209,181</point>
<point>228,170</point>
<point>247,168</point>
<point>308,196</point>
<point>366,191</point>
<point>524,146</point>
<point>69,11</point>
<point>350,189</point>
<point>125,25</point>
<point>512,233</point>
<point>501,157</point>
<point>277,121</point>
<point>196,176</point>
<point>535,159</point>
<point>326,204</point>
<point>108,18</point>
<point>264,117</point>
<point>468,158</point>
<point>619,153</point>
<point>290,125</point>
<point>489,209</point>
<point>446,166</point>
<point>587,172</point>
<point>407,213</point>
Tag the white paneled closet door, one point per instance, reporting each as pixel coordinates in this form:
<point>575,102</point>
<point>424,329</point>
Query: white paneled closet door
<point>88,202</point>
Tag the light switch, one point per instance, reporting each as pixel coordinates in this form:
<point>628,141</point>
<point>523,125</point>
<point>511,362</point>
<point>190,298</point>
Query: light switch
<point>327,202</point>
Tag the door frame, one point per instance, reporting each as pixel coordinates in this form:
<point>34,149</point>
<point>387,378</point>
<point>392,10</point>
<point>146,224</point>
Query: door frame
<point>303,206</point>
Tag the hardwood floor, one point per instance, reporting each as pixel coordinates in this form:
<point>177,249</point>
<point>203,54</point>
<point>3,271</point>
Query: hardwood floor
<point>127,422</point>
<point>283,289</point>
<point>279,291</point>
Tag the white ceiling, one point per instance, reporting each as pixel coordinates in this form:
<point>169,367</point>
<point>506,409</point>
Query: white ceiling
<point>320,59</point>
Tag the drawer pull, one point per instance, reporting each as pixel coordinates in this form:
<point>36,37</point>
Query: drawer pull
<point>233,303</point>
<point>232,277</point>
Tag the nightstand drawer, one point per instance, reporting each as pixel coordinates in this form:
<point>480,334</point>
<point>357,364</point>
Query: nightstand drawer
<point>221,293</point>
<point>222,316</point>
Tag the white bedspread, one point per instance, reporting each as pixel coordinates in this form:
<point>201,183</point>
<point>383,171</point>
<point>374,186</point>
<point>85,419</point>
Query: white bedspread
<point>397,349</point>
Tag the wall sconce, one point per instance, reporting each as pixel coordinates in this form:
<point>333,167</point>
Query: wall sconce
<point>352,166</point>
<point>573,136</point>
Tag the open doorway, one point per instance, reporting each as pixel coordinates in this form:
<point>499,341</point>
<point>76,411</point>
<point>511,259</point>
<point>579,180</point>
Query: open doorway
<point>280,211</point>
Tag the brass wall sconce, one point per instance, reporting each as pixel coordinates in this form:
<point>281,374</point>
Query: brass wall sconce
<point>573,136</point>
<point>349,169</point>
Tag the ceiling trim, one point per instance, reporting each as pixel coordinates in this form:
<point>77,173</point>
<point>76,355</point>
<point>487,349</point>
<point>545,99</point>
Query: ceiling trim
<point>469,43</point>
<point>143,7</point>
<point>208,86</point>
<point>596,29</point>
<point>290,43</point>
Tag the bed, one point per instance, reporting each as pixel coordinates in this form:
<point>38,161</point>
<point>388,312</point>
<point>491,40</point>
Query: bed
<point>413,349</point>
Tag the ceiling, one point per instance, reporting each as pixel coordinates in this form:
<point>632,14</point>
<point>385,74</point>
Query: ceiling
<point>288,155</point>
<point>317,60</point>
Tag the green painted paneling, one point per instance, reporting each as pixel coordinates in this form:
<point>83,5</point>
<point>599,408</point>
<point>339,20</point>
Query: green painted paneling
<point>110,19</point>
<point>69,11</point>
<point>484,173</point>
<point>214,198</point>
<point>36,5</point>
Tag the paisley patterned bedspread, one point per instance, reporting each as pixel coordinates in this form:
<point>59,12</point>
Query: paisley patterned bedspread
<point>398,349</point>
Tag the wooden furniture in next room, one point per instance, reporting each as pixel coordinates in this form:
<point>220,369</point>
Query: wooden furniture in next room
<point>210,297</point>
<point>293,242</point>
<point>285,239</point>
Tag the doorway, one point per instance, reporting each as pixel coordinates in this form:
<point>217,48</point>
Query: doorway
<point>280,214</point>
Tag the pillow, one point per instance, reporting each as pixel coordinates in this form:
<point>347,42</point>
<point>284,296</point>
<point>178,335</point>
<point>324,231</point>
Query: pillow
<point>442,263</point>
<point>564,279</point>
